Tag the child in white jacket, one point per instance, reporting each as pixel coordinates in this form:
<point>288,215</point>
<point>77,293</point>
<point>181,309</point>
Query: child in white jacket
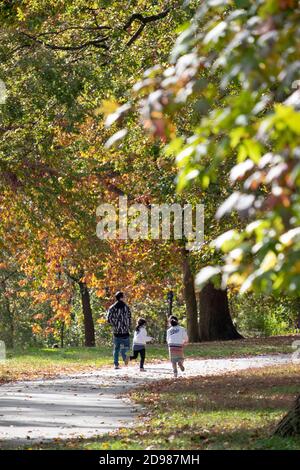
<point>176,338</point>
<point>139,342</point>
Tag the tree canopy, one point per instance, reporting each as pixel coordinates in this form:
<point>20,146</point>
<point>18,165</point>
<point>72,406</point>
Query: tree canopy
<point>237,62</point>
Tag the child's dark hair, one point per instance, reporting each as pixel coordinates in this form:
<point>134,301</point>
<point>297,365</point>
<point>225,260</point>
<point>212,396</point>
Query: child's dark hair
<point>173,320</point>
<point>141,322</point>
<point>119,295</point>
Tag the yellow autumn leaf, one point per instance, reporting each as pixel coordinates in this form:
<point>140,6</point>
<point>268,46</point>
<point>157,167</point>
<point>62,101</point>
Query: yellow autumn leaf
<point>296,267</point>
<point>269,261</point>
<point>108,107</point>
<point>236,279</point>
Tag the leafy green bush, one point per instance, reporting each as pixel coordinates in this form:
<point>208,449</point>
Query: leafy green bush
<point>258,315</point>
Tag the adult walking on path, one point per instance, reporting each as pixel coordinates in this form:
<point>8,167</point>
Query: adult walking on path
<point>119,317</point>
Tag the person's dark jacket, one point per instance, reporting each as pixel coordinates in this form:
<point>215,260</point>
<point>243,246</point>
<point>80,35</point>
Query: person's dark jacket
<point>119,316</point>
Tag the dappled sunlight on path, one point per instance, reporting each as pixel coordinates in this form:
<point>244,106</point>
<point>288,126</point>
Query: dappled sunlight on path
<point>89,403</point>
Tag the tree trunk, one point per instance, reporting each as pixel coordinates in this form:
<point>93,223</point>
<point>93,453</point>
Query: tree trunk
<point>11,335</point>
<point>62,334</point>
<point>190,299</point>
<point>290,423</point>
<point>89,330</point>
<point>9,320</point>
<point>215,320</point>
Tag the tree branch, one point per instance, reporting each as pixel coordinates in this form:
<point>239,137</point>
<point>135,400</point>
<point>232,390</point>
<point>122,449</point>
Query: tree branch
<point>99,42</point>
<point>73,28</point>
<point>136,35</point>
<point>144,20</point>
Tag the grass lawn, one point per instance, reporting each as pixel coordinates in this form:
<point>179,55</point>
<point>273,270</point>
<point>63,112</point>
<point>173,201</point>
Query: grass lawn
<point>233,411</point>
<point>33,363</point>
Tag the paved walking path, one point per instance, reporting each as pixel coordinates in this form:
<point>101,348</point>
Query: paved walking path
<point>88,404</point>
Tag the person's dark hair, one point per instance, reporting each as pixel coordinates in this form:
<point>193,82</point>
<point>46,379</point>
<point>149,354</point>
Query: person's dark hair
<point>139,323</point>
<point>173,320</point>
<point>119,295</point>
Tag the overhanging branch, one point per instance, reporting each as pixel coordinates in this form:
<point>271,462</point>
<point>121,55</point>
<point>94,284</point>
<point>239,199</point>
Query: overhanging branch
<point>144,20</point>
<point>98,42</point>
<point>98,39</point>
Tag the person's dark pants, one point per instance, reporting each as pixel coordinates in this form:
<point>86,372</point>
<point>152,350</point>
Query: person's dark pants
<point>142,353</point>
<point>121,345</point>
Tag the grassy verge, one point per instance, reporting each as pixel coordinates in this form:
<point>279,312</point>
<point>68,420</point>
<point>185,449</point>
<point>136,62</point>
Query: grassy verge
<point>34,363</point>
<point>233,411</point>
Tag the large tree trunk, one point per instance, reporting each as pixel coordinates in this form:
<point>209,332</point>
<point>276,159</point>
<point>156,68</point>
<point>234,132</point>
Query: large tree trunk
<point>215,320</point>
<point>290,423</point>
<point>190,299</point>
<point>89,329</point>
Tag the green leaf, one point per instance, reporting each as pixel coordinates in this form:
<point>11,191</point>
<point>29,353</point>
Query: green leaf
<point>206,274</point>
<point>116,138</point>
<point>216,33</point>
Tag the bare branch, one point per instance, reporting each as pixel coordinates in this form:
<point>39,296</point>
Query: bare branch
<point>136,35</point>
<point>73,28</point>
<point>99,42</point>
<point>144,20</point>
